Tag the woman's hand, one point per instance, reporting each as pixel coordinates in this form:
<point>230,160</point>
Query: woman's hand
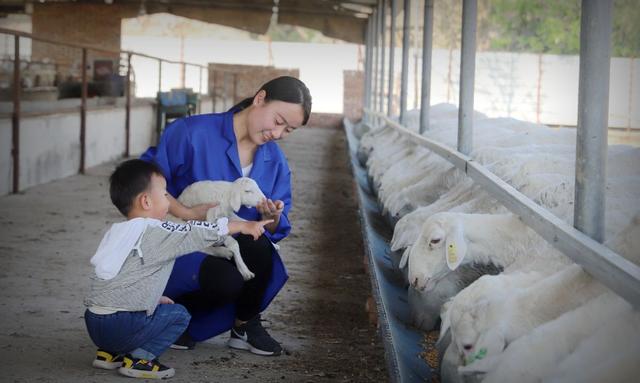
<point>269,209</point>
<point>252,228</point>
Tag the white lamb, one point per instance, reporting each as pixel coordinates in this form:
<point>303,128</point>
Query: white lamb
<point>229,196</point>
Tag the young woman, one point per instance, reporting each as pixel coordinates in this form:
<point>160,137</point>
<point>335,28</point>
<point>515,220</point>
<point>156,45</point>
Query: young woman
<point>226,146</point>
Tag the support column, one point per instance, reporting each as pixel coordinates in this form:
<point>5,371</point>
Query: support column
<point>383,28</point>
<point>427,44</point>
<point>467,76</point>
<point>405,60</point>
<point>593,112</point>
<point>392,42</point>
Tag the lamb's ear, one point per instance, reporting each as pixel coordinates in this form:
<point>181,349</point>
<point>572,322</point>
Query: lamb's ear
<point>235,200</point>
<point>405,258</point>
<point>455,247</point>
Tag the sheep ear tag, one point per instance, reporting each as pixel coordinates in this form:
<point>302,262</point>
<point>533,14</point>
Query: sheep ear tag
<point>454,253</point>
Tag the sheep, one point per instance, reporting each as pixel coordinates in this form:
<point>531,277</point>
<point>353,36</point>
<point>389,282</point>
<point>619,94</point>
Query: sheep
<point>491,324</point>
<point>531,357</point>
<point>230,196</point>
<point>609,355</point>
<point>560,336</point>
<point>497,239</point>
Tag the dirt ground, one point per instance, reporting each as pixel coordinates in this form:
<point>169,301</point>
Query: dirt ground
<point>48,234</point>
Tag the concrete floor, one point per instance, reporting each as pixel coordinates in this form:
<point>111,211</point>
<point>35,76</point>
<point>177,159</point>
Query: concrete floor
<point>48,234</point>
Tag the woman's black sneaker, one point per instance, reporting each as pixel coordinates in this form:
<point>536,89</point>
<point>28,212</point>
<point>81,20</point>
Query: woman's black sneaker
<point>185,342</point>
<point>145,369</point>
<point>253,337</point>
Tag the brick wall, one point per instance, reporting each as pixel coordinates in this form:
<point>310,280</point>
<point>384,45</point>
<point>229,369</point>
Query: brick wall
<point>231,83</point>
<point>353,94</point>
<point>90,24</point>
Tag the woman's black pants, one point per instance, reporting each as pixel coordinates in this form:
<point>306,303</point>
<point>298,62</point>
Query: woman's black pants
<point>221,283</point>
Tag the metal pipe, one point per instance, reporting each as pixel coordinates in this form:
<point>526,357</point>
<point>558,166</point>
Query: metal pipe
<point>392,42</point>
<point>367,66</point>
<point>383,27</point>
<point>80,46</point>
<point>83,113</point>
<point>467,76</point>
<point>15,118</point>
<point>405,60</point>
<point>160,75</point>
<point>376,66</point>
<point>593,112</point>
<point>128,108</point>
<point>427,45</point>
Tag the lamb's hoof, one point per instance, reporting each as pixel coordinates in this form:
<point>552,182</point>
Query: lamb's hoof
<point>247,275</point>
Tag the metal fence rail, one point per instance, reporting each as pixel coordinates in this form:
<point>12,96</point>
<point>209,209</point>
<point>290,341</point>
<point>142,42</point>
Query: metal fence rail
<point>614,271</point>
<point>16,115</point>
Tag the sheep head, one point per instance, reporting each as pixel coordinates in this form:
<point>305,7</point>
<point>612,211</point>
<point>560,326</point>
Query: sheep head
<point>245,192</point>
<point>478,333</point>
<point>441,243</point>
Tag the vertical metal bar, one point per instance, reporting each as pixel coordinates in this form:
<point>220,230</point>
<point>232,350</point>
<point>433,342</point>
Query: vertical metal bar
<point>375,62</point>
<point>383,28</point>
<point>593,111</point>
<point>199,109</point>
<point>127,107</point>
<point>467,76</point>
<point>427,45</point>
<point>392,42</point>
<point>15,131</point>
<point>367,65</point>
<point>83,113</point>
<point>405,60</point>
<point>160,75</point>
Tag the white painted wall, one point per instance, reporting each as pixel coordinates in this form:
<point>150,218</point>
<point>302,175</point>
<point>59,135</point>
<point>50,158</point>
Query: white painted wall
<point>50,142</point>
<point>49,148</point>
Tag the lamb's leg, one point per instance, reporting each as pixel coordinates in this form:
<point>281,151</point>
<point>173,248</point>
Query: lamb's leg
<point>232,244</point>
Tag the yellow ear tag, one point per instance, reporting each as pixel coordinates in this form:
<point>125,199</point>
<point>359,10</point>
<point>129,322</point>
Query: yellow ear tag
<point>452,256</point>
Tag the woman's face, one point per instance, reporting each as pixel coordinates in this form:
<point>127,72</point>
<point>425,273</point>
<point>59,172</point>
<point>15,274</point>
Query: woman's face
<point>273,120</point>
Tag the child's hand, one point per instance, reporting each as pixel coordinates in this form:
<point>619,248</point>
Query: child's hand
<point>252,228</point>
<point>270,209</point>
<point>165,301</point>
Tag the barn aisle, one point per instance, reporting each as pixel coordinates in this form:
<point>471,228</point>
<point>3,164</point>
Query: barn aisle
<point>49,233</point>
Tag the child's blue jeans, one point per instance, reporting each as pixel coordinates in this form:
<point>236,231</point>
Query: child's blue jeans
<point>135,333</point>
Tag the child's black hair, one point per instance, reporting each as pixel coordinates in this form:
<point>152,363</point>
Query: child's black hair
<point>130,178</point>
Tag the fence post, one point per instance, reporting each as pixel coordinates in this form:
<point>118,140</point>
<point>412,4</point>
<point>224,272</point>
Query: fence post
<point>427,43</point>
<point>406,27</point>
<point>467,76</point>
<point>159,75</point>
<point>383,27</point>
<point>368,67</point>
<point>593,113</point>
<point>392,42</point>
<point>375,50</point>
<point>83,113</point>
<point>15,120</point>
<point>127,107</point>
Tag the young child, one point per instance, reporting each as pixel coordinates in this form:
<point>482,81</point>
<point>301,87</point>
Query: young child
<point>127,317</point>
